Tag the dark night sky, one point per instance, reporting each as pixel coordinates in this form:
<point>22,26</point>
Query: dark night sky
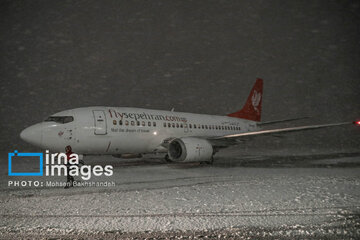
<point>196,56</point>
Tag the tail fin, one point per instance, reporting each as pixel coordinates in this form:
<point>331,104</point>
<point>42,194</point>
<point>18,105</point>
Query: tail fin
<point>252,107</point>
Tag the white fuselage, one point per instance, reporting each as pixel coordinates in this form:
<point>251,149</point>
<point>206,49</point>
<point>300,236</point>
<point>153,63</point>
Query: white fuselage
<point>120,130</point>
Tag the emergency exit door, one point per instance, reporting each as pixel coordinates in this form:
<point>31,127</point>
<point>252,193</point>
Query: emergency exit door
<point>186,127</point>
<point>100,122</point>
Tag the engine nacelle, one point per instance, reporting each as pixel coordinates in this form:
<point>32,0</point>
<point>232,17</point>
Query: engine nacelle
<point>190,149</point>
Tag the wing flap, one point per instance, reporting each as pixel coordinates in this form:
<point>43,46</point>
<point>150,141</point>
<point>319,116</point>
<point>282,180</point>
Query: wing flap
<point>281,121</point>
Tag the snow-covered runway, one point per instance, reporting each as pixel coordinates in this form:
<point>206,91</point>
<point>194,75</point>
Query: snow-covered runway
<point>155,197</point>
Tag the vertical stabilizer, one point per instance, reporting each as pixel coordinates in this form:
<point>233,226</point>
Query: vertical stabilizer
<point>252,107</point>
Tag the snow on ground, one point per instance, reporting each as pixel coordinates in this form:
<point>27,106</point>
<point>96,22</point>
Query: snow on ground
<point>152,196</point>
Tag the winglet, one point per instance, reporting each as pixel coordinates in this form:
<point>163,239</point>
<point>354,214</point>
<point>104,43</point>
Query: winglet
<point>252,107</point>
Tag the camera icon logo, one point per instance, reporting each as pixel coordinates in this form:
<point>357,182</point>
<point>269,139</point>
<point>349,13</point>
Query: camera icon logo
<point>17,154</point>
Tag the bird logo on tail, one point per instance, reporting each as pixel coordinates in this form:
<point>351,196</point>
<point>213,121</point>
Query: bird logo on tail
<point>255,100</point>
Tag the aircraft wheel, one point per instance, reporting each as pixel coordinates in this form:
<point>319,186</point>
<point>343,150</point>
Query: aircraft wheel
<point>167,159</point>
<point>211,161</point>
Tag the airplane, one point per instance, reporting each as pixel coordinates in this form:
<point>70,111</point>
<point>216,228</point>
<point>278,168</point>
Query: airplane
<point>185,137</point>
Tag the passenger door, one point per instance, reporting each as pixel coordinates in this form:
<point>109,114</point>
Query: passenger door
<point>100,122</point>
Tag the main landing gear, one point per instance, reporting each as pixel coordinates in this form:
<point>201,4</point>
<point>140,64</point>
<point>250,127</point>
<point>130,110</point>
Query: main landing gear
<point>209,162</point>
<point>167,158</point>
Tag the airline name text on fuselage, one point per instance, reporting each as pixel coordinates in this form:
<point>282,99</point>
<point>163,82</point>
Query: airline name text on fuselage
<point>145,116</point>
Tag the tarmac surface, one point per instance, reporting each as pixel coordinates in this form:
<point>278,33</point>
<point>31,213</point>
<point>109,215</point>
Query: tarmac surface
<point>247,196</point>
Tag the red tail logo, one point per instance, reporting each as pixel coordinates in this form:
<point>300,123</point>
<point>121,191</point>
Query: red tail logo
<point>252,107</point>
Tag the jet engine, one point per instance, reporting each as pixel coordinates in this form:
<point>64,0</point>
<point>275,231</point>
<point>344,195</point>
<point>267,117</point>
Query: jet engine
<point>190,149</point>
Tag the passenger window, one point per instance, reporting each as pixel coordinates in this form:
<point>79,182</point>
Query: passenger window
<point>149,124</point>
<point>173,125</point>
<point>206,126</point>
<point>120,122</point>
<point>138,123</point>
<point>177,125</point>
<point>154,124</point>
<point>181,125</point>
<point>132,123</point>
<point>143,123</point>
<point>169,125</point>
<point>202,126</point>
<point>165,124</point>
<point>190,126</point>
<point>126,122</point>
<point>114,122</point>
<point>194,125</point>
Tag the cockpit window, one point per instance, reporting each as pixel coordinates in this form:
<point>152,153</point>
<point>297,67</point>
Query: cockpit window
<point>60,119</point>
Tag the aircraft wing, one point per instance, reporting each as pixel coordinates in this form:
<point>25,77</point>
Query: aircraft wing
<point>233,139</point>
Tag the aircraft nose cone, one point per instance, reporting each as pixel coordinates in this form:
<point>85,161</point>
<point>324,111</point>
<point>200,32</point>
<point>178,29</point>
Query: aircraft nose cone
<point>32,135</point>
